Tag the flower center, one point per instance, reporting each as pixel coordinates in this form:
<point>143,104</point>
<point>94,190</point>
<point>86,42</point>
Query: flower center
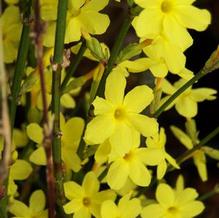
<point>86,202</point>
<point>166,6</point>
<point>173,210</point>
<point>119,114</point>
<point>129,156</point>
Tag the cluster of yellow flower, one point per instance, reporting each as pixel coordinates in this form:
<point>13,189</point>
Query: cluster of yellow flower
<point>123,141</point>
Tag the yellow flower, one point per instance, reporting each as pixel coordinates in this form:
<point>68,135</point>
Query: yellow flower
<point>199,157</point>
<point>19,170</point>
<point>170,17</point>
<point>187,103</point>
<point>11,29</point>
<point>82,16</point>
<point>69,142</point>
<point>157,142</point>
<point>131,165</point>
<point>118,118</point>
<point>127,208</point>
<point>164,56</point>
<point>86,200</point>
<point>174,203</point>
<point>36,207</point>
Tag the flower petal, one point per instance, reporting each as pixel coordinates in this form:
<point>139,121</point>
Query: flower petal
<point>37,201</point>
<point>152,210</point>
<point>138,99</point>
<point>19,209</point>
<point>73,190</point>
<point>35,132</point>
<point>145,125</point>
<point>109,210</point>
<point>186,107</point>
<point>182,137</point>
<point>115,87</point>
<point>193,18</point>
<point>102,106</point>
<point>165,195</point>
<point>117,174</point>
<point>139,174</point>
<point>192,208</point>
<point>90,184</point>
<point>99,129</point>
<point>148,23</point>
<point>20,170</point>
<point>73,206</point>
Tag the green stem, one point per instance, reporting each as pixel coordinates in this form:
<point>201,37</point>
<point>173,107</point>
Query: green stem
<point>203,142</point>
<point>21,61</point>
<point>198,76</point>
<point>207,195</point>
<point>74,65</point>
<point>56,82</point>
<point>114,54</point>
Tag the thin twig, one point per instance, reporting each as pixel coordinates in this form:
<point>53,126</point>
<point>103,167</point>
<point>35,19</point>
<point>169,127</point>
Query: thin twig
<point>5,131</point>
<point>47,130</point>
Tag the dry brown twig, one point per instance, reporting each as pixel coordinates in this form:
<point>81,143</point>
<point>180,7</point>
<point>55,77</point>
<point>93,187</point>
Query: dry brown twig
<point>47,126</point>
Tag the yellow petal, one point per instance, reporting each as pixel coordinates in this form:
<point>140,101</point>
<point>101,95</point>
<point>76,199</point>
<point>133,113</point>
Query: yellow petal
<point>72,131</point>
<point>211,152</point>
<point>115,87</point>
<point>109,210</point>
<point>139,174</point>
<point>177,34</point>
<point>67,101</point>
<point>73,206</point>
<point>187,107</point>
<point>73,30</point>
<point>20,170</point>
<point>138,99</point>
<point>35,132</point>
<point>202,94</point>
<point>71,159</point>
<point>193,18</point>
<point>122,138</point>
<point>165,195</point>
<point>96,5</point>
<point>200,162</point>
<point>161,169</point>
<point>90,184</point>
<point>145,125</point>
<point>148,23</point>
<point>19,209</point>
<point>102,106</point>
<point>94,22</point>
<point>117,175</point>
<point>182,137</point>
<point>99,129</point>
<point>192,208</point>
<point>152,210</point>
<point>103,150</point>
<point>187,195</point>
<point>38,156</point>
<point>73,190</point>
<point>37,201</point>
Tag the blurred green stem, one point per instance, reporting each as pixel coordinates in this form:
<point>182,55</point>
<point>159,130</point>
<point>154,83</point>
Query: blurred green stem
<point>21,61</point>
